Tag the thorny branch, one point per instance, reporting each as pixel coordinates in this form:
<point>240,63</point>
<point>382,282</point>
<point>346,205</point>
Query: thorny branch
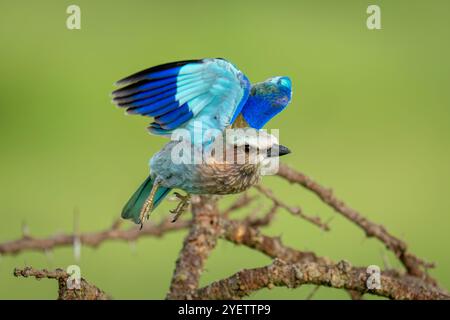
<point>410,261</point>
<point>290,268</point>
<point>93,239</point>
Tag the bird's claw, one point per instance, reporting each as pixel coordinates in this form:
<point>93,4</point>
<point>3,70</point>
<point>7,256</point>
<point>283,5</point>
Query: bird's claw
<point>181,207</point>
<point>148,204</point>
<point>145,212</point>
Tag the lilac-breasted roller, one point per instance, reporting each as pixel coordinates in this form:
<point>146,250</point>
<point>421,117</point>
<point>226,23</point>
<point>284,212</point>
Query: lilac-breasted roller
<point>184,94</point>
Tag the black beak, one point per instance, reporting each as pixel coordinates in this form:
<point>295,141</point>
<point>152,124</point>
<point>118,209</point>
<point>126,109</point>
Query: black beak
<point>278,150</point>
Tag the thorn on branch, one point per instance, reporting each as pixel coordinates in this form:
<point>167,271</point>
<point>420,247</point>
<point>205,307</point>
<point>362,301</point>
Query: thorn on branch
<point>25,230</point>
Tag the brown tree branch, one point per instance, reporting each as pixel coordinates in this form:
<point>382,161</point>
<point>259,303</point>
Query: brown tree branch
<point>242,233</point>
<point>246,234</point>
<point>94,239</point>
<point>242,201</point>
<point>253,220</point>
<point>87,291</point>
<point>371,229</point>
<point>296,211</point>
<point>197,246</point>
<point>341,275</point>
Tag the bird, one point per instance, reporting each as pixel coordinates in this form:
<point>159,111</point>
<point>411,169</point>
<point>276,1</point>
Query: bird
<point>197,96</point>
<point>231,164</point>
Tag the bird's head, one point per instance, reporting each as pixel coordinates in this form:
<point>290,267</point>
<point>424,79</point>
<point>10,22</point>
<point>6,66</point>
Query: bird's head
<point>254,146</point>
<point>266,100</point>
<point>281,88</point>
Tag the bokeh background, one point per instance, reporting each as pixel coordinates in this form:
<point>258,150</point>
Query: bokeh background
<point>370,118</point>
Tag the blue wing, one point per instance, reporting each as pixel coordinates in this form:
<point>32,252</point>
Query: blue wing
<point>177,94</point>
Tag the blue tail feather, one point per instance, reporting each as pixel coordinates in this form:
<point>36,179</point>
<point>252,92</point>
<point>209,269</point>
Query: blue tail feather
<point>132,209</point>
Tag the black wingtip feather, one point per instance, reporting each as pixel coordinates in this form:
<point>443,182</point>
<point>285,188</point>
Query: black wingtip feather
<point>138,75</point>
<point>131,89</point>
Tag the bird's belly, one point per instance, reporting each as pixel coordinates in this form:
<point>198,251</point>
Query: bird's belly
<point>227,179</point>
<point>207,178</point>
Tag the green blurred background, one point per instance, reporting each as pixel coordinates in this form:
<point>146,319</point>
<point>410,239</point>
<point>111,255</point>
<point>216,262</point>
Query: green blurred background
<point>369,117</point>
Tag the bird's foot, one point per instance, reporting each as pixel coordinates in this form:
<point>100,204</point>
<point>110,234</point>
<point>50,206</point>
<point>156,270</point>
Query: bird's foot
<point>148,204</point>
<point>145,211</point>
<point>182,205</point>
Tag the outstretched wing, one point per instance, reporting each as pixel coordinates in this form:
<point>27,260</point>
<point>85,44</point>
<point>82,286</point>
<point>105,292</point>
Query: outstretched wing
<point>177,94</point>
